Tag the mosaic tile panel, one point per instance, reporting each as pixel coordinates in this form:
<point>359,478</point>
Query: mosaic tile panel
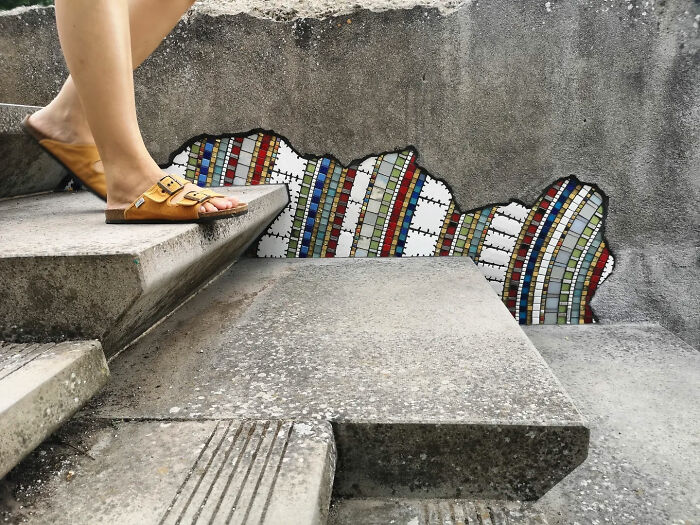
<point>546,260</point>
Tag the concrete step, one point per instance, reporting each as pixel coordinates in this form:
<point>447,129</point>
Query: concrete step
<point>433,512</point>
<point>73,276</point>
<point>254,472</point>
<point>25,168</point>
<point>639,387</point>
<point>41,386</point>
<point>432,387</point>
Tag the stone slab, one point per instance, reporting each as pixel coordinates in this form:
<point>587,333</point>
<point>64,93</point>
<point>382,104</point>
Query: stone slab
<point>41,386</point>
<point>255,472</point>
<point>73,276</point>
<point>638,385</point>
<point>25,168</point>
<point>429,382</point>
<point>433,512</point>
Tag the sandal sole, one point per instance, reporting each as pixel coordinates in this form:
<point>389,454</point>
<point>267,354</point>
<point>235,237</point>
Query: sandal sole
<point>201,220</point>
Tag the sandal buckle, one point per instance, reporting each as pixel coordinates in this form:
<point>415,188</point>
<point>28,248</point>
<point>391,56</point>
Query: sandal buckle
<point>165,187</point>
<point>196,196</point>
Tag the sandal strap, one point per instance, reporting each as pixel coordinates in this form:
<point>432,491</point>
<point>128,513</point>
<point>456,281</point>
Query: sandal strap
<point>198,196</point>
<point>158,201</point>
<point>170,184</point>
<point>164,202</point>
<point>211,192</point>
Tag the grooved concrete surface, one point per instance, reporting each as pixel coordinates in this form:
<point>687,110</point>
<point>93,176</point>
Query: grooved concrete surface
<point>430,384</point>
<point>115,280</point>
<point>499,97</point>
<point>234,472</point>
<point>41,386</point>
<point>639,388</point>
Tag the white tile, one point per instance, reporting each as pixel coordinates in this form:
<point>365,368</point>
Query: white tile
<point>418,243</point>
<point>436,190</point>
<point>429,216</point>
<point>272,246</point>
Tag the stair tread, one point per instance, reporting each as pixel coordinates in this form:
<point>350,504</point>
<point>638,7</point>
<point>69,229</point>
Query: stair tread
<point>15,356</point>
<point>73,224</point>
<point>41,386</point>
<point>639,385</point>
<point>397,353</point>
<point>337,338</point>
<point>217,471</point>
<point>116,280</point>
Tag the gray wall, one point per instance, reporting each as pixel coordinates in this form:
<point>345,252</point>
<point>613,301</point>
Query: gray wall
<point>500,97</point>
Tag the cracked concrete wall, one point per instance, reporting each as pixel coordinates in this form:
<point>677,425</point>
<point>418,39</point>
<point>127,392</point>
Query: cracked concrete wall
<point>498,97</point>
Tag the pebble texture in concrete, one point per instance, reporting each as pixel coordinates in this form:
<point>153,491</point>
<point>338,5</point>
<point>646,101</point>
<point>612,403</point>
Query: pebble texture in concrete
<point>291,9</point>
<point>41,386</point>
<point>433,512</point>
<point>234,472</point>
<point>639,387</point>
<point>25,167</point>
<point>73,276</point>
<point>429,382</point>
<point>499,97</point>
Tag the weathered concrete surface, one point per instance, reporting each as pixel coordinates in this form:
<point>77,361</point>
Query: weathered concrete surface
<point>262,472</point>
<point>660,276</point>
<point>431,386</point>
<point>639,387</point>
<point>73,276</point>
<point>293,9</point>
<point>25,168</point>
<point>41,386</point>
<point>433,512</point>
<point>500,98</point>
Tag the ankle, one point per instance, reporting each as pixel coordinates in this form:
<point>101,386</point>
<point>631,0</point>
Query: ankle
<point>63,123</point>
<point>137,171</point>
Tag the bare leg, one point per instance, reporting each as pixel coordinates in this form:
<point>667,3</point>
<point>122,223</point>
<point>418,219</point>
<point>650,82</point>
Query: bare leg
<point>96,40</point>
<point>149,21</point>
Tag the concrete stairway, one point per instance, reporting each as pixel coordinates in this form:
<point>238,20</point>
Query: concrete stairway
<point>637,385</point>
<point>41,386</point>
<point>431,388</point>
<point>73,277</point>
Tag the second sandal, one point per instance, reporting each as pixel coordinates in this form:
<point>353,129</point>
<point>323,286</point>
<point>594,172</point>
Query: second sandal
<point>78,159</point>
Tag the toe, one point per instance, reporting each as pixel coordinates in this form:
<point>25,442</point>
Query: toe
<point>218,203</point>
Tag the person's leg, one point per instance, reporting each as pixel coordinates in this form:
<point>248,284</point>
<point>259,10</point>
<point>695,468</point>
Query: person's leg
<point>96,43</point>
<point>150,21</point>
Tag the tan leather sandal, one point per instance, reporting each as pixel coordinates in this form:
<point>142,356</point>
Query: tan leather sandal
<point>157,205</point>
<point>78,159</point>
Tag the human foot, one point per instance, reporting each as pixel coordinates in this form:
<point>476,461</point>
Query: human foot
<point>81,160</point>
<point>71,143</point>
<point>171,200</point>
<point>127,184</point>
<point>63,126</point>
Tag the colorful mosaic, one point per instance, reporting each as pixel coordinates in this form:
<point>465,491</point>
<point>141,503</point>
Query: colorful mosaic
<point>546,261</point>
